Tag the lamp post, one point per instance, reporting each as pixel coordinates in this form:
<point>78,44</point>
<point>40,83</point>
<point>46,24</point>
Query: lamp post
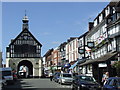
<point>83,50</point>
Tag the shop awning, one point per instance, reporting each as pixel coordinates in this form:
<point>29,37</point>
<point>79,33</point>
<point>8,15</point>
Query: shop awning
<point>55,67</point>
<point>100,59</point>
<point>72,66</point>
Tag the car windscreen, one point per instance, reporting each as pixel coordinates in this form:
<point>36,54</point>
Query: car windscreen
<point>58,74</point>
<point>67,75</point>
<point>86,78</point>
<point>117,82</point>
<point>6,73</point>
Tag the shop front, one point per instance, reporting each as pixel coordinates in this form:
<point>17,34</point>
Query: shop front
<point>96,67</point>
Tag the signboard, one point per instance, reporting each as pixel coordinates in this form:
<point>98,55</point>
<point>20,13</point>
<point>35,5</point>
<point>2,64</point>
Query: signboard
<point>102,65</point>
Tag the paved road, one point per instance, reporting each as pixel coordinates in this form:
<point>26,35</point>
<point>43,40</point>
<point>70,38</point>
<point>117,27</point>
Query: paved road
<point>36,84</point>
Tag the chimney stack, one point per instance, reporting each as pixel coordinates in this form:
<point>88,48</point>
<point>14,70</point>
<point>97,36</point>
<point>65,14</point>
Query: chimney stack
<point>90,25</point>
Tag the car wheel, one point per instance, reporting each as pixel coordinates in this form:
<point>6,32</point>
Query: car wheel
<point>61,82</point>
<point>72,87</point>
<point>78,88</point>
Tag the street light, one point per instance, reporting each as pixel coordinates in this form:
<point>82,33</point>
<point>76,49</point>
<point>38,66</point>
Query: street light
<point>81,51</point>
<point>90,44</point>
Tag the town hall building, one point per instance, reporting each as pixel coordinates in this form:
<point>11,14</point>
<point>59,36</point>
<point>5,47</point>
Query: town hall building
<point>25,50</point>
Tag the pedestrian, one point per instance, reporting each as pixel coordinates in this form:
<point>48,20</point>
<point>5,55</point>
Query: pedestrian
<point>51,76</point>
<point>61,71</point>
<point>70,72</point>
<point>105,77</point>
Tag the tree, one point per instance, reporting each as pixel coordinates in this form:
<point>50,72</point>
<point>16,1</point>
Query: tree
<point>117,66</point>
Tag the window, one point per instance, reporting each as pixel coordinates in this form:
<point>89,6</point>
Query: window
<point>6,73</point>
<point>118,15</point>
<point>111,82</point>
<point>108,82</point>
<point>95,22</point>
<point>67,75</point>
<point>115,83</point>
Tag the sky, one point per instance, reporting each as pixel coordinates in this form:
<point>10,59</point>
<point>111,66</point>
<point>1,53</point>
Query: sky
<point>52,23</point>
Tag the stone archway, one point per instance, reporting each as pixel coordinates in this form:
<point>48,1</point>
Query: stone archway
<point>28,64</point>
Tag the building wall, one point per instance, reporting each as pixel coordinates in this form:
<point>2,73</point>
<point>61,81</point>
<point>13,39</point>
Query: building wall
<point>98,35</point>
<point>56,58</point>
<point>103,34</point>
<point>72,50</point>
<point>62,53</point>
<point>37,68</point>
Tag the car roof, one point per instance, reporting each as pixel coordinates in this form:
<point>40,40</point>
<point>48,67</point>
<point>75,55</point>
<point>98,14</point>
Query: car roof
<point>65,73</point>
<point>83,75</point>
<point>114,78</point>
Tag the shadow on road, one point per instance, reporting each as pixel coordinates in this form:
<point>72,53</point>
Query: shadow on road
<point>18,85</point>
<point>22,84</point>
<point>15,86</point>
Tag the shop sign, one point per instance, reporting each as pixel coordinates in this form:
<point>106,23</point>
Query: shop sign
<point>102,65</point>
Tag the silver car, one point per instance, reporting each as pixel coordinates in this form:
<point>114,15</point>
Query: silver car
<point>65,78</point>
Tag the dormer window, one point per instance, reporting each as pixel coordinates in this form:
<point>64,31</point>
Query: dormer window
<point>107,11</point>
<point>103,14</point>
<point>113,10</point>
<point>100,17</point>
<point>95,22</point>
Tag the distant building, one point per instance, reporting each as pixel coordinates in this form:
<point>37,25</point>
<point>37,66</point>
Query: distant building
<point>72,50</point>
<point>56,59</point>
<point>48,60</point>
<point>62,48</point>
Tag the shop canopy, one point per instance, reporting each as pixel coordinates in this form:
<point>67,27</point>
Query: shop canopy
<point>77,62</point>
<point>104,58</point>
<point>72,66</point>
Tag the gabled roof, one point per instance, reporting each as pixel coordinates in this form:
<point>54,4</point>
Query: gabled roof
<point>83,35</point>
<point>48,52</point>
<point>71,38</point>
<point>25,30</point>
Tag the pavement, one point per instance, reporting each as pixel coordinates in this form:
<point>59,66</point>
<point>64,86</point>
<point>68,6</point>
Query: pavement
<point>36,84</point>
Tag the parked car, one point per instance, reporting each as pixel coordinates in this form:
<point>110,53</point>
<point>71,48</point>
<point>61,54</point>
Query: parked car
<point>56,76</point>
<point>112,83</point>
<point>7,75</point>
<point>46,74</point>
<point>65,78</point>
<point>82,82</point>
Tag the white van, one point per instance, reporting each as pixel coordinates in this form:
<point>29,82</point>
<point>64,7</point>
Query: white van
<point>7,74</point>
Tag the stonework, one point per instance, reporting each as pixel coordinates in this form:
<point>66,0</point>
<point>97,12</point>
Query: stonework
<point>36,62</point>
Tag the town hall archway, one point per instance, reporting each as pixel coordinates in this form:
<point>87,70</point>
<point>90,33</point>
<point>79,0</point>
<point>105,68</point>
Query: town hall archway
<point>27,64</point>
